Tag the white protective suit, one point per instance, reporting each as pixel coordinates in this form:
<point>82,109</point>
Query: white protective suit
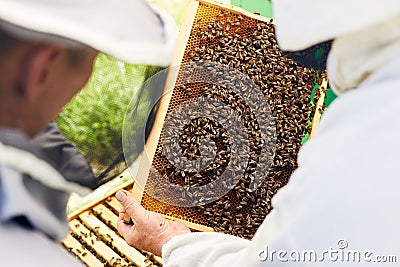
<point>341,205</point>
<point>33,217</point>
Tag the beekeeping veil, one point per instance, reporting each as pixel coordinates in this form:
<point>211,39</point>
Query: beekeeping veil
<point>135,37</point>
<point>366,33</point>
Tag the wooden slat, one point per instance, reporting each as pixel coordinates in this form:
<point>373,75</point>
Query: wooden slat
<point>158,260</point>
<point>75,214</point>
<point>193,226</point>
<point>106,215</point>
<point>85,255</point>
<point>131,253</point>
<point>114,204</point>
<point>90,238</point>
<point>319,104</point>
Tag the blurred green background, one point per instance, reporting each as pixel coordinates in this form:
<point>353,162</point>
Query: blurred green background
<point>93,119</point>
<point>263,7</point>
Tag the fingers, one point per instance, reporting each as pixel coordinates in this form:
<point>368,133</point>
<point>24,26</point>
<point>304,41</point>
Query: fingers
<point>131,206</point>
<point>150,230</point>
<point>125,230</point>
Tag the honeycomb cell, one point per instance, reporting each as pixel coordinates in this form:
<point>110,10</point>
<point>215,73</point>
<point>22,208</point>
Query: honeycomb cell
<point>222,35</point>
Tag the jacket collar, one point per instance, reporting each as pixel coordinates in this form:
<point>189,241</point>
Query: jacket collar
<point>43,207</point>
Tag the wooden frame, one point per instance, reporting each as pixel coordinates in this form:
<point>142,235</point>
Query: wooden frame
<point>152,142</point>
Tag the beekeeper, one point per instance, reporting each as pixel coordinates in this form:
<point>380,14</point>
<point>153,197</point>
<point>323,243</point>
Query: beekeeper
<point>342,202</point>
<point>47,49</point>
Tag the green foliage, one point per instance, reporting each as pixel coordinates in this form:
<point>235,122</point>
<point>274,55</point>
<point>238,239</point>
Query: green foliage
<point>176,8</point>
<point>93,119</point>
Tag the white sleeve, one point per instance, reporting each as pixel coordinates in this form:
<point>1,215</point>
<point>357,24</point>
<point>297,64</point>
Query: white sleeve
<point>343,197</point>
<point>216,249</point>
<point>202,249</point>
<point>22,247</point>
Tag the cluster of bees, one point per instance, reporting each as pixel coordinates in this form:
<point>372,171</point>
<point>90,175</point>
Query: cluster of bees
<point>250,47</point>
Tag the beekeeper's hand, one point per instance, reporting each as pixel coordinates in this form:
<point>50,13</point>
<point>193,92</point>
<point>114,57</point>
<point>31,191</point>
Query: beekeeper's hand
<point>150,230</point>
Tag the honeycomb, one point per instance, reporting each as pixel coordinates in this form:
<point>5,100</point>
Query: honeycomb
<point>247,44</point>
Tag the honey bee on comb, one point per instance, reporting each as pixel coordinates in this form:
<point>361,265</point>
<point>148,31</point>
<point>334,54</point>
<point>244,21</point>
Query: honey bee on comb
<point>246,44</point>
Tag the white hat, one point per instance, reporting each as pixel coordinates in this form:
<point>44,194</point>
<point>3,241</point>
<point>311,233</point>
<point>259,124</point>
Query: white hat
<point>130,30</point>
<point>303,23</point>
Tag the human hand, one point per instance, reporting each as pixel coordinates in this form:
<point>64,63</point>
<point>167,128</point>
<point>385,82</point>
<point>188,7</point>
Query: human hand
<point>150,230</point>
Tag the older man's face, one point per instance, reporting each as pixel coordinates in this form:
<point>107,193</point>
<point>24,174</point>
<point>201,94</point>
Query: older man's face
<point>68,78</point>
<point>37,81</point>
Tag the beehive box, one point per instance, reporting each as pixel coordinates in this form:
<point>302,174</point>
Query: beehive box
<point>217,45</point>
<point>94,237</point>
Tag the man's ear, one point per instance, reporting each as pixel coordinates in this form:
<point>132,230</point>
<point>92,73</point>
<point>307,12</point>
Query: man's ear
<point>36,67</point>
